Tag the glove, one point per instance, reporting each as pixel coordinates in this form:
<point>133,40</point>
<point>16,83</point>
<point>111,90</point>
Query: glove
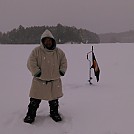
<point>62,73</point>
<point>38,74</point>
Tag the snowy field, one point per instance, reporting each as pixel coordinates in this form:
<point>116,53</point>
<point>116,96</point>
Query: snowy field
<point>106,107</point>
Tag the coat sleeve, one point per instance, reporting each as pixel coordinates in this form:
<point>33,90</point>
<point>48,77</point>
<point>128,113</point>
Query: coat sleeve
<point>32,63</point>
<point>63,64</point>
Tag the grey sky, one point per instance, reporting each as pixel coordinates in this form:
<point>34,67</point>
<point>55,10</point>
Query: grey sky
<point>98,16</point>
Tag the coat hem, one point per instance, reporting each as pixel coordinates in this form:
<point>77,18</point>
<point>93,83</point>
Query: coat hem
<point>45,98</point>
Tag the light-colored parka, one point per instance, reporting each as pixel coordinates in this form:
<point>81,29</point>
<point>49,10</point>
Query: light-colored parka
<point>50,63</point>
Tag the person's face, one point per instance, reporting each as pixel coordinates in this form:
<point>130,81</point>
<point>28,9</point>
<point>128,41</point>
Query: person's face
<point>48,42</point>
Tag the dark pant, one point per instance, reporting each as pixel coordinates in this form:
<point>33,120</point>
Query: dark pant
<point>34,105</point>
<point>54,107</point>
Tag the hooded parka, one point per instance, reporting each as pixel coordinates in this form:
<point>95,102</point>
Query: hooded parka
<point>51,64</point>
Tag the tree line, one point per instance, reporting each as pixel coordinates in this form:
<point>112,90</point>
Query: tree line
<point>62,34</point>
<point>122,37</point>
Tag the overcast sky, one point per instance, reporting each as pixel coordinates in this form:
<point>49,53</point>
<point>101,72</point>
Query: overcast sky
<point>100,16</point>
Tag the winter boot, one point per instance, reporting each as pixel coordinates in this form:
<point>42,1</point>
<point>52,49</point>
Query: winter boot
<point>54,110</point>
<point>32,108</point>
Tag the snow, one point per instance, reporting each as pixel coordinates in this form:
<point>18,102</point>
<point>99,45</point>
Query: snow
<point>106,107</point>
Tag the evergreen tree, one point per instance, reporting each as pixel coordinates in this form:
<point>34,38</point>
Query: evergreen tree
<point>62,34</point>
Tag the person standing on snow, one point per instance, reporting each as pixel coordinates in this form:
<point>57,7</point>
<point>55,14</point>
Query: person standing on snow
<point>47,63</point>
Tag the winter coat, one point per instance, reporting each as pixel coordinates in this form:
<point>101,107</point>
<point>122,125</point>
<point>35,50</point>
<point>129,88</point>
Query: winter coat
<point>51,64</point>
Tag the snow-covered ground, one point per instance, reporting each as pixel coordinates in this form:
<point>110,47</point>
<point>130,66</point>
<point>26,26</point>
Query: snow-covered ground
<point>106,107</point>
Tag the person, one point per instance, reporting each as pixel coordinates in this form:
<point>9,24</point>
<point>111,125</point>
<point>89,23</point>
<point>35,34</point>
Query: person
<point>47,63</point>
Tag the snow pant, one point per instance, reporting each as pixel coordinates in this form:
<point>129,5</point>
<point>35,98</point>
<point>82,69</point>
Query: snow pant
<point>54,107</point>
<point>54,114</point>
<point>34,105</point>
